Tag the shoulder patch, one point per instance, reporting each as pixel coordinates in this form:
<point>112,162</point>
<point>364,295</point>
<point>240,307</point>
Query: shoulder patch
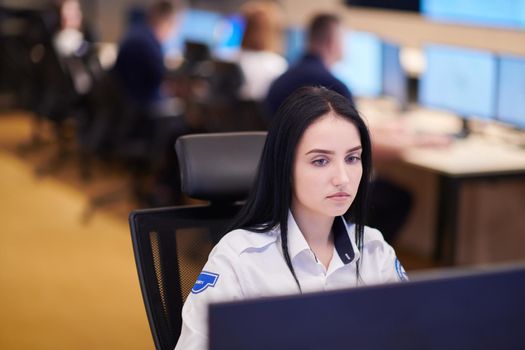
<point>205,280</point>
<point>401,273</point>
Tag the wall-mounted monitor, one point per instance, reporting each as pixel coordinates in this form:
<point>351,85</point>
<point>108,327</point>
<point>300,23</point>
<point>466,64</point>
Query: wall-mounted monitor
<point>361,66</point>
<point>511,91</point>
<point>459,80</point>
<point>507,13</point>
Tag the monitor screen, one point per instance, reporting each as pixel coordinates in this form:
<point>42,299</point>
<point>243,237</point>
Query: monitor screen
<point>361,65</point>
<point>511,91</point>
<point>460,80</point>
<point>508,13</point>
<point>394,77</point>
<point>229,33</point>
<point>463,310</point>
<point>295,42</point>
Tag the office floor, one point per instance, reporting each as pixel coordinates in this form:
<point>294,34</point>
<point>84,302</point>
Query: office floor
<point>66,283</point>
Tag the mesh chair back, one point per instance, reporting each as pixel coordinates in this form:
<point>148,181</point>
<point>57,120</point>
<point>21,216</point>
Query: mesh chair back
<point>171,245</point>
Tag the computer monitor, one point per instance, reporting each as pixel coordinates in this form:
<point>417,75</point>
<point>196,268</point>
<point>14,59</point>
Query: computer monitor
<point>361,65</point>
<point>230,31</point>
<point>221,33</point>
<point>295,44</point>
<point>508,13</point>
<point>467,310</point>
<point>194,25</point>
<point>511,91</point>
<point>462,81</point>
<point>395,81</point>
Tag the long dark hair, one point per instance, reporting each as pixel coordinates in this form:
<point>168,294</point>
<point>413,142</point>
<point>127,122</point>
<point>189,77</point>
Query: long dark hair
<point>270,199</point>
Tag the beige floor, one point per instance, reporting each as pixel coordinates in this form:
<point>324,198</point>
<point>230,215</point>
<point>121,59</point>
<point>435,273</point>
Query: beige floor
<point>63,284</point>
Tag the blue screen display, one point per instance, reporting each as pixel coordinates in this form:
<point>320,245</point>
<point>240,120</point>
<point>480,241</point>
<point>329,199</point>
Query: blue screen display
<point>394,78</point>
<point>511,92</point>
<point>506,13</point>
<point>295,44</point>
<point>361,66</point>
<point>200,26</point>
<point>223,34</point>
<point>460,80</point>
<point>229,32</point>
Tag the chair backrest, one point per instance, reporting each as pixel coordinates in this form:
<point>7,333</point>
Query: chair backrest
<point>172,244</point>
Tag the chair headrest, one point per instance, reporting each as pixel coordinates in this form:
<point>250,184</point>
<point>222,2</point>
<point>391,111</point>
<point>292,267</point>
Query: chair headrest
<point>219,166</point>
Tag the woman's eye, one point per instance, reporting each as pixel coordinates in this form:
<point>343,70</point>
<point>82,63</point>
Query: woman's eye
<point>320,162</point>
<point>353,159</point>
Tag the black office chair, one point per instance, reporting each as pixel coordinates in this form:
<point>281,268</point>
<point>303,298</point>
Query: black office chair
<point>172,244</point>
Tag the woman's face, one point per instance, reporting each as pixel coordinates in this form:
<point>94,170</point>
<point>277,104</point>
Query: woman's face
<point>327,168</point>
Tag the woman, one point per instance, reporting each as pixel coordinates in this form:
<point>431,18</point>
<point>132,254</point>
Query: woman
<point>302,229</point>
<point>257,58</point>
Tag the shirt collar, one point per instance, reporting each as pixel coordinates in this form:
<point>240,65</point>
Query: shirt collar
<point>343,241</point>
<point>296,241</point>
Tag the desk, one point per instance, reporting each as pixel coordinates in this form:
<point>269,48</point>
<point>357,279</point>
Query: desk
<point>473,159</point>
<point>478,158</point>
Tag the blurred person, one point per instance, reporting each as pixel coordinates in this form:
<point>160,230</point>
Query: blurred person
<point>324,49</point>
<point>73,31</point>
<point>258,58</point>
<point>140,61</point>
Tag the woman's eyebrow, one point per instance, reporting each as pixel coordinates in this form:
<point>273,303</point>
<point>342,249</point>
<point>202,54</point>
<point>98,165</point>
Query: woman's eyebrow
<point>353,149</point>
<point>324,151</point>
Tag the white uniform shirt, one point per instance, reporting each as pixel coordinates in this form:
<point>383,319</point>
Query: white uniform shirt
<point>260,69</point>
<point>247,264</point>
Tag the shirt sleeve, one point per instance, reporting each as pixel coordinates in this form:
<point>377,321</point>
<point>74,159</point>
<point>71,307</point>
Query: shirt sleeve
<point>392,270</point>
<point>217,282</point>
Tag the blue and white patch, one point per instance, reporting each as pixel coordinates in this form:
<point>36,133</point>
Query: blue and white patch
<point>401,273</point>
<point>205,280</point>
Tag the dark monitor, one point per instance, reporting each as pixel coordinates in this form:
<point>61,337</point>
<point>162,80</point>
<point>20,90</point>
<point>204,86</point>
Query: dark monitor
<point>462,81</point>
<point>470,310</point>
<point>508,13</point>
<point>361,66</point>
<point>511,91</point>
<point>196,52</point>
<point>395,81</point>
<point>401,5</point>
<point>295,44</point>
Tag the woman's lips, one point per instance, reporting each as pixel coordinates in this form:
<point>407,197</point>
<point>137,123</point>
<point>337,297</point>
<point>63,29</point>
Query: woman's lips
<point>339,196</point>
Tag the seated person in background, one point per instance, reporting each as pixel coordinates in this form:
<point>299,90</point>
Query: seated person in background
<point>303,227</point>
<point>72,39</point>
<point>258,60</point>
<point>140,62</point>
<point>324,49</point>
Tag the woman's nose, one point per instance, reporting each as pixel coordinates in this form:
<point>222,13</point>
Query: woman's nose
<point>340,176</point>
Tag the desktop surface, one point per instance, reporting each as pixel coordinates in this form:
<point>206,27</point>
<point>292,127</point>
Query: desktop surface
<point>474,310</point>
